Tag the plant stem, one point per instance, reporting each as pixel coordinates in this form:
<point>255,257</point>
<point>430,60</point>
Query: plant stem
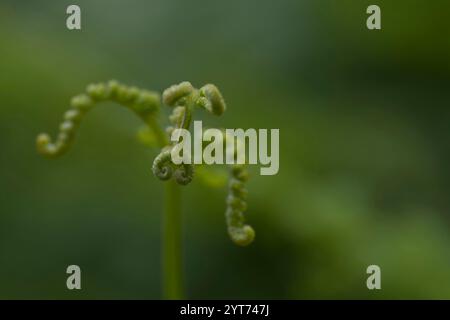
<point>172,265</point>
<point>172,242</point>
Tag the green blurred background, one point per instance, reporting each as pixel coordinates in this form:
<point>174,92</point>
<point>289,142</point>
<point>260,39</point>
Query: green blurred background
<point>364,135</point>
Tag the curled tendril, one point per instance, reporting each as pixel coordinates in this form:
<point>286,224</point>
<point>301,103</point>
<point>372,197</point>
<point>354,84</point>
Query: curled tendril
<point>162,165</point>
<point>211,99</point>
<point>241,233</point>
<point>173,94</point>
<point>164,168</point>
<point>144,103</point>
<point>184,97</point>
<point>184,174</point>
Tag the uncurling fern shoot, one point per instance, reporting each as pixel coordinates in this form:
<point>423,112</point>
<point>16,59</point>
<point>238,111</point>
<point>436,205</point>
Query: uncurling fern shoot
<point>163,168</point>
<point>184,99</point>
<point>241,233</point>
<point>145,104</point>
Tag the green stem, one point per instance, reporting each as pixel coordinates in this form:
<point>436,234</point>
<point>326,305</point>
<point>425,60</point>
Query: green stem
<point>172,265</point>
<point>172,242</point>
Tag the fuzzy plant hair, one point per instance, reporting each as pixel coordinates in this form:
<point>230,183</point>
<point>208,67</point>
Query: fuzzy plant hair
<point>184,100</point>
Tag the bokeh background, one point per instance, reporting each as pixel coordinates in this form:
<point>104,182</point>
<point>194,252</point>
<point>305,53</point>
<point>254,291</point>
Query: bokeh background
<point>364,127</point>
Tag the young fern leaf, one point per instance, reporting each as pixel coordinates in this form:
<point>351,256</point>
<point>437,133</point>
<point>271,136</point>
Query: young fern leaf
<point>144,103</point>
<point>163,168</point>
<point>241,233</point>
<point>211,100</point>
<point>185,98</point>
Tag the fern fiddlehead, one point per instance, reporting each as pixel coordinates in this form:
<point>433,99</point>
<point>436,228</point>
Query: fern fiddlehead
<point>163,168</point>
<point>241,233</point>
<point>184,99</point>
<point>145,104</point>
